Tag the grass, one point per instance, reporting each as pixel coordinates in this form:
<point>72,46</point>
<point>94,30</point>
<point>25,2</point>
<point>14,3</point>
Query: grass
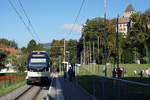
<point>128,91</point>
<point>128,67</point>
<point>4,91</point>
<point>86,79</point>
<point>14,74</point>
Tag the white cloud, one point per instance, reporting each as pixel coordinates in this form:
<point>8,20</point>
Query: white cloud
<point>75,27</point>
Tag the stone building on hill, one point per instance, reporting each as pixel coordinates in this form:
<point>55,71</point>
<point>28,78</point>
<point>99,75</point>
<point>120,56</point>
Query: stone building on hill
<point>129,11</point>
<point>124,22</point>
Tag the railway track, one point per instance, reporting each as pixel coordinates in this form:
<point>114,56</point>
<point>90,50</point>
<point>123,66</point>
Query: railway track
<point>36,92</point>
<point>29,94</point>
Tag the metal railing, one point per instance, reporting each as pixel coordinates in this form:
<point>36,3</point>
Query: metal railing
<point>107,88</point>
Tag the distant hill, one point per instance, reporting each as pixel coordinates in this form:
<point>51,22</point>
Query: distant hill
<point>47,45</point>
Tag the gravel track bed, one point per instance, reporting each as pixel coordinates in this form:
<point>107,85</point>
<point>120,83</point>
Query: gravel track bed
<point>42,94</point>
<point>45,93</point>
<point>15,93</point>
<point>30,94</point>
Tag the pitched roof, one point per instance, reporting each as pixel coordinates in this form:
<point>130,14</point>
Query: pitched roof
<point>129,8</point>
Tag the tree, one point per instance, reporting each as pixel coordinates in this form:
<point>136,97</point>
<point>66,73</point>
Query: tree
<point>56,52</point>
<point>19,63</point>
<point>71,48</point>
<point>3,59</point>
<point>139,34</point>
<point>40,47</point>
<point>95,28</point>
<point>31,46</point>
<point>24,50</point>
<point>5,42</point>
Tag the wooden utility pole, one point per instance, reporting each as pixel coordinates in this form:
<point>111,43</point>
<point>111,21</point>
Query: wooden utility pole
<point>84,49</point>
<point>117,41</point>
<point>90,51</point>
<point>93,54</point>
<point>98,55</point>
<point>64,53</point>
<point>105,37</point>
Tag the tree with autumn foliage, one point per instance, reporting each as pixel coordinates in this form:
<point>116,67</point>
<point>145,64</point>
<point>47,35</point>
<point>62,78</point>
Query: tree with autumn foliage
<point>93,29</point>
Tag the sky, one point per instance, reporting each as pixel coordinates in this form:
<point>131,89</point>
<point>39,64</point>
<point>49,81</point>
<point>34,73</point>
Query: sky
<point>53,19</point>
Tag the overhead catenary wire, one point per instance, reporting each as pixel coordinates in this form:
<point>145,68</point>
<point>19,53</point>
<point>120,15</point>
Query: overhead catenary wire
<point>57,46</point>
<point>21,18</point>
<point>105,36</point>
<point>78,14</point>
<point>61,46</point>
<point>76,18</point>
<point>29,21</point>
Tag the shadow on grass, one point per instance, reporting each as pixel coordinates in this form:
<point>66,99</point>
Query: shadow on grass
<point>145,80</point>
<point>113,90</point>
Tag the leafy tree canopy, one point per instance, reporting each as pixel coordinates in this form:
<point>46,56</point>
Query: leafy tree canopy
<point>5,42</point>
<point>3,59</point>
<point>32,46</point>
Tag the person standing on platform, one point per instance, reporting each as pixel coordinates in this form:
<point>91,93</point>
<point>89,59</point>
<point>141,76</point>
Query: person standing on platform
<point>141,74</point>
<point>114,72</point>
<point>119,72</point>
<point>65,76</point>
<point>134,73</point>
<point>70,73</point>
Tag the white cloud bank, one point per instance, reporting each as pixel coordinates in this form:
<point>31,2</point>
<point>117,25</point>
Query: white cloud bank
<point>75,27</point>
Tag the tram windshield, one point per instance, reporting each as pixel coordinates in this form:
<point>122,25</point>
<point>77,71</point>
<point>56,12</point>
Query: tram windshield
<point>37,62</point>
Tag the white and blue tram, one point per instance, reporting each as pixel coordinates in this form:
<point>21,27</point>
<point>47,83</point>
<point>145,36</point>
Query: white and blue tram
<point>38,68</point>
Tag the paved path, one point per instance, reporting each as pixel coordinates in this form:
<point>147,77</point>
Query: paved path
<point>70,91</point>
<point>52,90</point>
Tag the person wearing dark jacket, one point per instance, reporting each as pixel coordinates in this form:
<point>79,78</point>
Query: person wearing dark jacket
<point>114,72</point>
<point>70,73</point>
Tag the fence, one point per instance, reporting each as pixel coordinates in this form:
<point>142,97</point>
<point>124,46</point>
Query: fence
<point>106,88</point>
<point>6,81</point>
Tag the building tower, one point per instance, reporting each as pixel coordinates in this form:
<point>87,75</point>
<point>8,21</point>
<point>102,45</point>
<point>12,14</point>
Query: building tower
<point>124,22</point>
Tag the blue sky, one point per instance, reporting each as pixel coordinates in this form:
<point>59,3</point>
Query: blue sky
<point>52,19</point>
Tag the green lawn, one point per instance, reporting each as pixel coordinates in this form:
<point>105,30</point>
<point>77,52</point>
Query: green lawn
<point>128,91</point>
<point>10,88</point>
<point>128,67</point>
